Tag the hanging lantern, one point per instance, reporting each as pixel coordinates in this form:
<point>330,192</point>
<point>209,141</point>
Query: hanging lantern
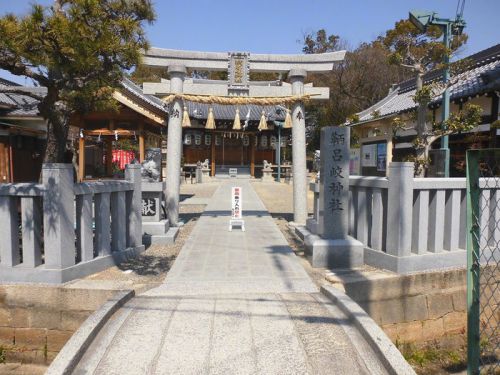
<point>288,120</point>
<point>263,141</point>
<point>186,122</point>
<point>197,139</point>
<point>237,123</point>
<point>255,141</point>
<point>187,139</point>
<point>217,140</point>
<point>263,122</point>
<point>246,140</point>
<point>210,119</point>
<point>208,139</point>
<point>272,141</point>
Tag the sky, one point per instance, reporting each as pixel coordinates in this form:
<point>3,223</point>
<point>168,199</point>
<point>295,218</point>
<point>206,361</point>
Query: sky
<point>278,26</point>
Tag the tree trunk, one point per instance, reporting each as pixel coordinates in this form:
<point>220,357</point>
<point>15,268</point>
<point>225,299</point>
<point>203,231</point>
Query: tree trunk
<point>57,134</point>
<point>421,152</point>
<point>53,111</point>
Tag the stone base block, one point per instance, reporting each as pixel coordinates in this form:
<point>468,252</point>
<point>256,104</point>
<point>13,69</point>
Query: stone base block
<point>414,262</point>
<point>155,227</point>
<point>41,274</point>
<point>312,226</point>
<point>301,232</point>
<point>161,239</point>
<point>328,253</point>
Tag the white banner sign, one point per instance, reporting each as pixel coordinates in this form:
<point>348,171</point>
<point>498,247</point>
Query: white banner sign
<point>236,210</point>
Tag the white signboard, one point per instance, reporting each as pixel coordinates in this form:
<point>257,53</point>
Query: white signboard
<point>236,203</point>
<point>236,209</point>
<point>233,172</point>
<point>354,162</point>
<point>369,155</point>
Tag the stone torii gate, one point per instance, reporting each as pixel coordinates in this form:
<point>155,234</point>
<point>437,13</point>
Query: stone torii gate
<point>238,65</point>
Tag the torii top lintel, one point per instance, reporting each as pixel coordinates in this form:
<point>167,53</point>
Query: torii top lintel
<point>218,61</point>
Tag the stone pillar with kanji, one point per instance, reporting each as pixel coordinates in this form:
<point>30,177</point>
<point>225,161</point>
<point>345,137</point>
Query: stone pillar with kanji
<point>332,246</point>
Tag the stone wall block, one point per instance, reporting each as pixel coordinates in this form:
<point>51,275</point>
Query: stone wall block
<point>415,308</point>
<point>71,320</point>
<point>6,336</point>
<point>439,305</point>
<point>44,318</point>
<point>391,311</point>
<point>20,318</point>
<point>432,329</point>
<point>31,338</point>
<point>28,356</point>
<point>455,322</point>
<point>5,318</point>
<point>459,300</point>
<point>410,332</point>
<point>56,339</point>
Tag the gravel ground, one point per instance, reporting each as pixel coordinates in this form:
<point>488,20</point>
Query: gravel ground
<point>151,267</point>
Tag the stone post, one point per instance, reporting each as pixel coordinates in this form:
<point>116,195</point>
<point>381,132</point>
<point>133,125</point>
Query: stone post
<point>332,246</point>
<point>400,209</point>
<point>174,145</point>
<point>297,77</point>
<point>58,215</point>
<point>334,183</point>
<point>134,209</point>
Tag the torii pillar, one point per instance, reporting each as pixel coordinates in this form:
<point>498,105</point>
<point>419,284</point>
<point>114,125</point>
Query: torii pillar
<point>174,145</point>
<point>297,77</point>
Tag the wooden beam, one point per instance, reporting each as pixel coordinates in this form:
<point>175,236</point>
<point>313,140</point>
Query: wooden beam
<point>81,159</point>
<point>252,155</point>
<point>141,142</point>
<point>109,157</point>
<point>212,171</point>
<point>11,161</point>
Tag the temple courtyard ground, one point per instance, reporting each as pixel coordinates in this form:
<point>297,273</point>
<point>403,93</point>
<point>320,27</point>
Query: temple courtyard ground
<point>232,302</point>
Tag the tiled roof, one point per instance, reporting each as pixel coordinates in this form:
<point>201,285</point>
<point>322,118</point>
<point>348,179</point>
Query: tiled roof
<point>482,77</point>
<point>137,92</point>
<point>13,104</point>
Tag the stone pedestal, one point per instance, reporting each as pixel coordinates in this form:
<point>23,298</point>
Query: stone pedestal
<point>332,247</point>
<point>267,175</point>
<point>156,228</point>
<point>205,175</point>
<point>330,253</point>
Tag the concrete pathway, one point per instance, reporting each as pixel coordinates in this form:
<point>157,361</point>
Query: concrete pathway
<point>233,303</point>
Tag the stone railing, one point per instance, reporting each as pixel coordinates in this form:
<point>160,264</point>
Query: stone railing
<point>411,224</point>
<point>58,231</point>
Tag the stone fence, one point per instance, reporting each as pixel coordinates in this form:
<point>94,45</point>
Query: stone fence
<point>411,224</point>
<point>58,230</point>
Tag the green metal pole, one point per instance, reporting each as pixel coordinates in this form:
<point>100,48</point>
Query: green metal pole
<point>473,265</point>
<point>446,98</point>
